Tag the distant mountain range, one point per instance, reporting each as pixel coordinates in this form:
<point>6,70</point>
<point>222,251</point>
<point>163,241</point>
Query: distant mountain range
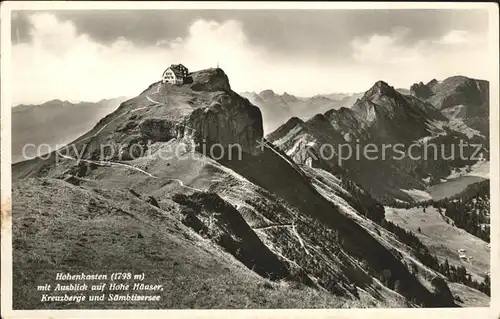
<point>54,122</point>
<point>276,108</point>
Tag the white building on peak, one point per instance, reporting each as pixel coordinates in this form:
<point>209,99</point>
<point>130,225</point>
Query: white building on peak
<point>175,74</point>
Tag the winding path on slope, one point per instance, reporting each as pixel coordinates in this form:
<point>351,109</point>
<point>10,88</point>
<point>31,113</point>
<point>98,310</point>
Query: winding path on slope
<point>294,231</point>
<point>121,115</point>
<point>299,171</point>
<point>151,100</point>
<point>157,91</point>
<point>181,183</point>
<point>110,163</point>
<point>272,226</point>
<point>106,163</point>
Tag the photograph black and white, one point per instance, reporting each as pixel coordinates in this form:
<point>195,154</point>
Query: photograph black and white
<point>250,158</point>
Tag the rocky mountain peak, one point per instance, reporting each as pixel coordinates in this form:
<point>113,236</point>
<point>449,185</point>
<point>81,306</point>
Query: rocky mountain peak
<point>267,94</point>
<point>213,79</point>
<point>318,118</point>
<point>421,90</point>
<point>452,91</point>
<point>289,97</point>
<point>380,88</point>
<point>294,121</point>
<point>205,110</point>
<point>282,130</point>
<point>432,83</point>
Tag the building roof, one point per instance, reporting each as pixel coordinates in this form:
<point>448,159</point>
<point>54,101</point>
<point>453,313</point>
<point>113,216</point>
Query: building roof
<point>177,65</point>
<point>176,68</point>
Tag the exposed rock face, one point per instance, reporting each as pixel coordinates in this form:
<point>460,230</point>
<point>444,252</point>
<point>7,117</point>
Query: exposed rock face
<point>54,123</point>
<point>210,80</point>
<point>289,98</point>
<point>459,97</point>
<point>385,114</point>
<point>432,83</point>
<point>160,130</point>
<point>380,88</point>
<point>229,230</point>
<point>229,120</point>
<point>382,116</point>
<point>420,90</point>
<point>219,116</point>
<point>455,90</point>
<point>306,232</point>
<point>292,123</point>
<point>267,94</point>
<point>461,90</point>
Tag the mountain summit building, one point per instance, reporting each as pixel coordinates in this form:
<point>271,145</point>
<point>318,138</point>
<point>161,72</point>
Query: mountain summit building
<point>175,74</point>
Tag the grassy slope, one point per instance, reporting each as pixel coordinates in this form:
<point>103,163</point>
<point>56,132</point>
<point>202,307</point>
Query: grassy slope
<point>443,238</point>
<point>208,175</point>
<point>267,210</point>
<point>96,230</point>
<point>469,297</point>
<point>330,188</point>
<point>289,185</point>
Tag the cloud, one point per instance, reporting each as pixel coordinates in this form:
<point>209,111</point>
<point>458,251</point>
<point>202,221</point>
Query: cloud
<point>59,61</point>
<point>460,37</point>
<point>395,60</point>
<point>384,49</point>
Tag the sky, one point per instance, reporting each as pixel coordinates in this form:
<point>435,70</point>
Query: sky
<point>90,55</point>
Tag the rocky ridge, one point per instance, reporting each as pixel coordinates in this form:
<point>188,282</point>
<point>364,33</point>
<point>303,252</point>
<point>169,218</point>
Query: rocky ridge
<point>381,117</point>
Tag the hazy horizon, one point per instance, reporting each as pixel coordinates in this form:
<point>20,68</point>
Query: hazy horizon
<point>90,55</point>
<point>239,92</point>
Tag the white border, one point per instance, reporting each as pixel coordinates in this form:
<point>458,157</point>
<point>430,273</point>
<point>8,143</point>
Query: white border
<point>5,119</point>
